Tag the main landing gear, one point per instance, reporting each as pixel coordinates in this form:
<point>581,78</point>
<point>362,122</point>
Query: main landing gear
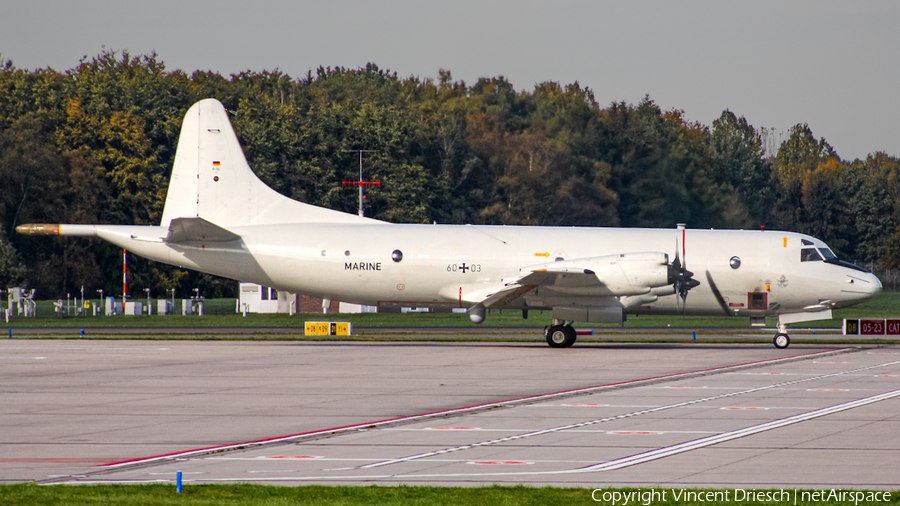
<point>782,340</point>
<point>561,334</point>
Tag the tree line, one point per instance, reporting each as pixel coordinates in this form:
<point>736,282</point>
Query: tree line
<point>95,144</point>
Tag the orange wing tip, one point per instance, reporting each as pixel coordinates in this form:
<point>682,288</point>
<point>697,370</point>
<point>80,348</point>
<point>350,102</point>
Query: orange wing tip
<point>38,229</point>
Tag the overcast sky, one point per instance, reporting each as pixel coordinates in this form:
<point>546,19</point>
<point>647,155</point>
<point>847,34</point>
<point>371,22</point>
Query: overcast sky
<point>833,65</point>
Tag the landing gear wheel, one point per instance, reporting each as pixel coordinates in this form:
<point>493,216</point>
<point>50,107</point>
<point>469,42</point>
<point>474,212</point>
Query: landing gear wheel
<point>561,336</point>
<point>781,341</point>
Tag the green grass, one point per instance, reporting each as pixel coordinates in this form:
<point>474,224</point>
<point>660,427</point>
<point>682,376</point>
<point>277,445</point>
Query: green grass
<point>220,313</point>
<point>210,495</point>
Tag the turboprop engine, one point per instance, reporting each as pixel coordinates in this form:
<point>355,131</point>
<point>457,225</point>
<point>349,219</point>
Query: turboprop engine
<point>631,273</point>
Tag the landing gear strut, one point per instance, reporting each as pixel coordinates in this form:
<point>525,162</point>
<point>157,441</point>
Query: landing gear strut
<point>782,340</point>
<point>561,334</point>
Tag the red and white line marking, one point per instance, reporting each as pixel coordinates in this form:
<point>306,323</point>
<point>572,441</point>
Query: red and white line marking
<point>611,465</point>
<point>735,434</point>
<point>612,418</point>
<point>466,409</point>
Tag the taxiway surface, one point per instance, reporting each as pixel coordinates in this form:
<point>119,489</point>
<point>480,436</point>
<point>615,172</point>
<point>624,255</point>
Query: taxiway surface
<point>626,414</point>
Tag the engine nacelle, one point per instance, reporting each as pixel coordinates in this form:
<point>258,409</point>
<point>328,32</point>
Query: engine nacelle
<point>632,273</point>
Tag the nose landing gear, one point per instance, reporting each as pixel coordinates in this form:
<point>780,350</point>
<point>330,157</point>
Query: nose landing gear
<point>782,340</point>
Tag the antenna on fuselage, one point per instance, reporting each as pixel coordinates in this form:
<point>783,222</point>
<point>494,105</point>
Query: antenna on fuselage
<point>360,183</point>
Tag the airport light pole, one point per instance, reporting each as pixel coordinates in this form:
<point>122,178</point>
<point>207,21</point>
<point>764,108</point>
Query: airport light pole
<point>360,183</point>
<point>148,301</point>
<point>101,299</point>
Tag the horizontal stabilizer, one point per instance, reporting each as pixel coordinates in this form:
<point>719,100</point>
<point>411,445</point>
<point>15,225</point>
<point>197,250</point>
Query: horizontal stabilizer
<point>197,230</point>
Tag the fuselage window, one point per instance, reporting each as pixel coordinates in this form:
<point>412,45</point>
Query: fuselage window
<point>828,254</point>
<point>806,242</point>
<point>810,255</point>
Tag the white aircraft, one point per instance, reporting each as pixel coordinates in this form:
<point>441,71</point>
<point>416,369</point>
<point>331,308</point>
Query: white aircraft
<point>221,219</point>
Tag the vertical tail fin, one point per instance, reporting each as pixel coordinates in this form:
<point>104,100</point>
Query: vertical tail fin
<point>212,180</point>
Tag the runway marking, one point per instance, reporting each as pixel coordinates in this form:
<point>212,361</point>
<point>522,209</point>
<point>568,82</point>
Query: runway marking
<point>612,418</point>
<point>336,459</point>
<point>587,431</point>
<point>468,409</point>
<point>286,457</point>
<point>499,462</point>
<point>735,434</point>
<point>50,460</point>
<point>617,463</point>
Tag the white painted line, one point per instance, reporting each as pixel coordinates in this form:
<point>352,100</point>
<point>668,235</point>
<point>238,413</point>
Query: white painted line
<point>612,418</point>
<point>735,434</point>
<point>499,462</point>
<point>585,431</point>
<point>289,457</point>
<point>466,409</point>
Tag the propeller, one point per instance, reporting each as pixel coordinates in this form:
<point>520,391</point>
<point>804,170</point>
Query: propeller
<point>682,279</point>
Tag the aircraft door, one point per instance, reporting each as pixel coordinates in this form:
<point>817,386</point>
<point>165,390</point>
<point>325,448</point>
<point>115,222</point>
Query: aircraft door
<point>757,301</point>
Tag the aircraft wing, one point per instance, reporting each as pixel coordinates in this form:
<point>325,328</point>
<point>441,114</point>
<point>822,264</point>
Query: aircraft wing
<point>607,276</point>
<point>569,276</point>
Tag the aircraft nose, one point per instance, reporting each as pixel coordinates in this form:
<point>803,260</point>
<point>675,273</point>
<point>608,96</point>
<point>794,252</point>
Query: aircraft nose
<point>859,287</point>
<point>875,286</point>
<point>867,287</point>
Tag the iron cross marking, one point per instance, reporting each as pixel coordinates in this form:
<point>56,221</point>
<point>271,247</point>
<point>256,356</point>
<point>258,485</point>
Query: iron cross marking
<point>464,268</point>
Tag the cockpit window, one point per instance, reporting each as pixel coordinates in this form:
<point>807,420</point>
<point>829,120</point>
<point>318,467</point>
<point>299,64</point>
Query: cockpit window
<point>810,255</point>
<point>828,254</point>
<point>806,242</point>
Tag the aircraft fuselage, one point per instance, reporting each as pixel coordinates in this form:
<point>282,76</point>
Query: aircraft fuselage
<point>458,266</point>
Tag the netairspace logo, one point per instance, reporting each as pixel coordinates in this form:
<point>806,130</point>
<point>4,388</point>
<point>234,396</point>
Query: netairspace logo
<point>781,496</point>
